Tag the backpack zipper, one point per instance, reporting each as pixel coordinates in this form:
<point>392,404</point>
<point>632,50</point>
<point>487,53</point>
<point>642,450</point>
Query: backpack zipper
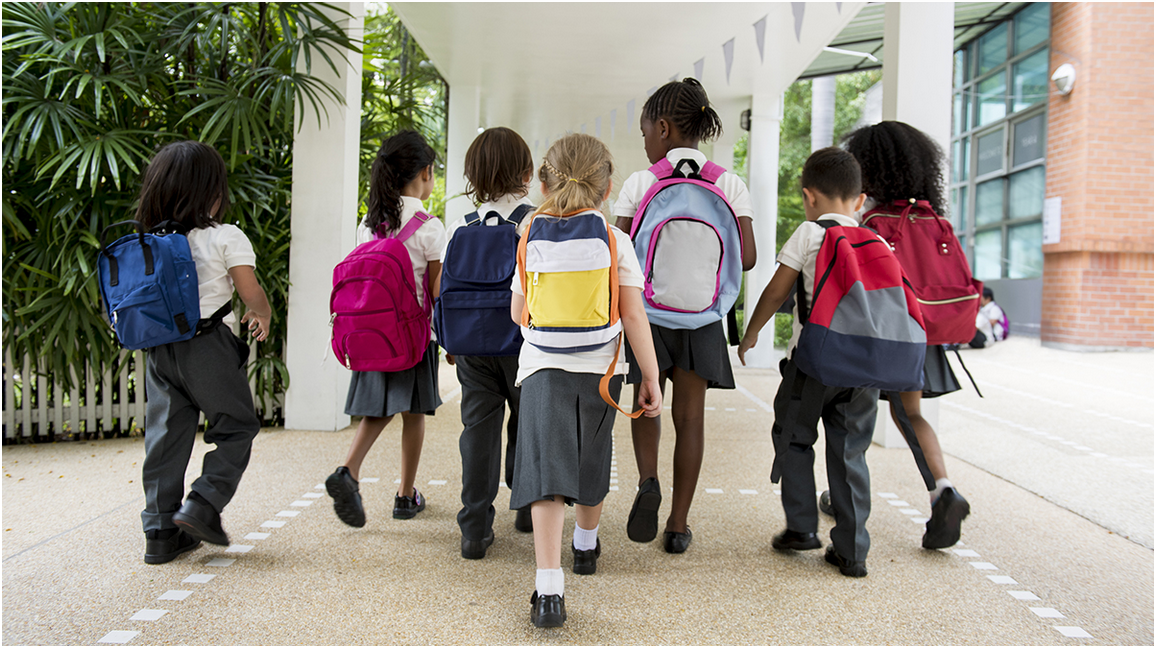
<point>948,301</point>
<point>536,278</point>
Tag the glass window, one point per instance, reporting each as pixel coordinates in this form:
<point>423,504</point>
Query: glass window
<point>962,112</point>
<point>1032,26</point>
<point>991,99</point>
<point>1030,81</point>
<point>961,75</point>
<point>960,159</point>
<point>988,203</point>
<point>1026,194</point>
<point>959,209</point>
<point>988,246</point>
<point>989,153</point>
<point>1028,144</point>
<point>1025,251</point>
<point>992,49</point>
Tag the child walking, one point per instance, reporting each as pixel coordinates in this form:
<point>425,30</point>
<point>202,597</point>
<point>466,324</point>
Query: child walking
<point>830,184</point>
<point>499,168</point>
<point>401,178</point>
<point>186,184</point>
<point>900,162</point>
<point>565,425</point>
<point>674,120</point>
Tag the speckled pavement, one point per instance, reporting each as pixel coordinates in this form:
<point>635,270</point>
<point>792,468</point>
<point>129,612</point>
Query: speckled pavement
<point>1056,460</point>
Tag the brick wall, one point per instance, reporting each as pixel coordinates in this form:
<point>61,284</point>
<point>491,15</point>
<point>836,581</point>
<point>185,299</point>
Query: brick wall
<point>1098,280</point>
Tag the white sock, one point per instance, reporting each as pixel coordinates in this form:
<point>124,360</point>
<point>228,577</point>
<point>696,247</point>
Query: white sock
<point>940,485</point>
<point>585,539</point>
<point>549,582</point>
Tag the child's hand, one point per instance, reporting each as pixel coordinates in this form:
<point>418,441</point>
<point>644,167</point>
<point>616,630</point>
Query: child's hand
<point>650,398</point>
<point>449,359</point>
<point>748,342</point>
<point>258,323</point>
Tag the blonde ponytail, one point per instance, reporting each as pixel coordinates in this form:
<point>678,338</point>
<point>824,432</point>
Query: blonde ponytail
<point>576,172</point>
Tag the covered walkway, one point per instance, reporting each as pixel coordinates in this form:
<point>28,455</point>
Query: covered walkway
<point>1056,461</point>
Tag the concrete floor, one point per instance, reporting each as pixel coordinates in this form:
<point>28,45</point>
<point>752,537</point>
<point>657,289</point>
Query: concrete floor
<point>1056,461</point>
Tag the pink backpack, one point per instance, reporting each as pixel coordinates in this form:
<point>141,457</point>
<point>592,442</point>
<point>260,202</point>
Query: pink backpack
<point>378,323</point>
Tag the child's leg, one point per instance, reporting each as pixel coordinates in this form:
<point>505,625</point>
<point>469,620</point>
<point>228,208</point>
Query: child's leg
<point>170,432</point>
<point>587,517</point>
<point>549,516</point>
<point>687,408</point>
<point>928,441</point>
<point>412,438</point>
<point>849,423</point>
<point>483,407</point>
<point>645,433</point>
<point>794,434</point>
<point>363,438</point>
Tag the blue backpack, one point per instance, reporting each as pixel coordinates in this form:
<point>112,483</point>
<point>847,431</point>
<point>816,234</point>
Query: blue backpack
<point>148,282</point>
<point>472,313</point>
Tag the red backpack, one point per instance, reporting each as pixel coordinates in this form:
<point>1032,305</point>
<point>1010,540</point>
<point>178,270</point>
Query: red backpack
<point>934,262</point>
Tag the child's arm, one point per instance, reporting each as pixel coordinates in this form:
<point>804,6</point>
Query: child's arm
<point>771,300</point>
<point>253,296</point>
<point>434,271</point>
<point>637,327</point>
<point>750,255</point>
<point>517,303</point>
<point>623,223</point>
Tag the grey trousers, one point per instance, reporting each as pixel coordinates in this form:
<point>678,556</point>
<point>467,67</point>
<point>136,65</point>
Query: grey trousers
<point>205,373</point>
<point>848,416</point>
<point>487,388</point>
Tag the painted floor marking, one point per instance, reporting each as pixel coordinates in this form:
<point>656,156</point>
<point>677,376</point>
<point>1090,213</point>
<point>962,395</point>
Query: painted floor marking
<point>148,614</point>
<point>1048,613</point>
<point>910,511</point>
<point>451,395</point>
<point>898,503</point>
<point>370,479</point>
<point>287,514</point>
<point>614,487</point>
<point>966,553</point>
<point>119,637</point>
<point>1023,595</point>
<point>221,562</point>
<point>888,495</point>
<point>273,524</point>
<point>751,396</point>
<point>1002,579</point>
<point>1082,384</point>
<point>175,595</point>
<point>238,549</point>
<point>319,486</point>
<point>199,578</point>
<point>714,490</point>
<point>1073,631</point>
<point>919,520</point>
<point>748,492</point>
<point>982,565</point>
<point>301,503</point>
<point>437,483</point>
<point>312,494</point>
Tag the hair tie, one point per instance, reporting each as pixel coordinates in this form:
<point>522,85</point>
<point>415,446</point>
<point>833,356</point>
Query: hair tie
<point>571,180</point>
<point>703,109</point>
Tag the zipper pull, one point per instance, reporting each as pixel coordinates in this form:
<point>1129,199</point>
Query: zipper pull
<point>535,278</point>
<point>332,317</point>
<point>114,317</point>
<point>346,359</point>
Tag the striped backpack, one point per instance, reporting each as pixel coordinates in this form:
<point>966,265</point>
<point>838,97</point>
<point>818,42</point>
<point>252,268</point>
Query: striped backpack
<point>568,268</point>
<point>863,327</point>
<point>689,245</point>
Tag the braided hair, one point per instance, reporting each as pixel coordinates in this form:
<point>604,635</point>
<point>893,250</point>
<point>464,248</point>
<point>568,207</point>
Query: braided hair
<point>576,171</point>
<point>899,162</point>
<point>400,159</point>
<point>685,105</point>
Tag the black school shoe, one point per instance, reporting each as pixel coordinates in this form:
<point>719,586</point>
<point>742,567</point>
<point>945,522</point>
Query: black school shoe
<point>201,521</point>
<point>523,521</point>
<point>405,507</point>
<point>164,545</point>
<point>586,561</point>
<point>825,505</point>
<point>846,568</point>
<point>346,495</point>
<point>477,549</point>
<point>676,542</point>
<point>642,525</point>
<point>947,514</point>
<point>547,611</point>
<point>792,540</point>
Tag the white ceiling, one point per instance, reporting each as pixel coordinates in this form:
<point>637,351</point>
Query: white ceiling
<point>547,68</point>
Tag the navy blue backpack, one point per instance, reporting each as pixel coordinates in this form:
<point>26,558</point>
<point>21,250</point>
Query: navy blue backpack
<point>472,313</point>
<point>148,282</point>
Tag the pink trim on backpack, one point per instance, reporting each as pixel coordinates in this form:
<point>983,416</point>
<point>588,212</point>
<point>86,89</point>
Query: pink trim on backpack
<point>648,291</point>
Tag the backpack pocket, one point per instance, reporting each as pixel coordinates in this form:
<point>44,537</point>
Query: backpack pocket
<point>682,266</point>
<point>569,299</point>
<point>143,317</point>
<point>477,324</point>
<point>948,312</point>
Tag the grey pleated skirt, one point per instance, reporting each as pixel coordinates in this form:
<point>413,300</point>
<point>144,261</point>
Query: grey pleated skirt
<point>702,351</point>
<point>381,394</point>
<point>938,378</point>
<point>565,439</point>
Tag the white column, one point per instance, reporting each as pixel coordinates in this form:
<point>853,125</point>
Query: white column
<point>323,226</point>
<point>723,151</point>
<point>463,121</point>
<point>822,112</point>
<point>917,76</point>
<point>763,172</point>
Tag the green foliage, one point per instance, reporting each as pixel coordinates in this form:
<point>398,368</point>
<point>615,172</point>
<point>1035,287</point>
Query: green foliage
<point>91,91</point>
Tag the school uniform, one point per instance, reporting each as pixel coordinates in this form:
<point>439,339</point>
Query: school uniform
<point>565,436</point>
<point>848,416</point>
<point>487,389</point>
<point>703,350</point>
<point>203,374</point>
<point>415,390</point>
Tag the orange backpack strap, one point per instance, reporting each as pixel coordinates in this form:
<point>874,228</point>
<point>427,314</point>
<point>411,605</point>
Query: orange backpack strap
<point>525,322</point>
<point>614,314</point>
<point>604,384</point>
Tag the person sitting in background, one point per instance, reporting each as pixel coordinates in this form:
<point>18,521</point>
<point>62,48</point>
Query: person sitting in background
<point>991,323</point>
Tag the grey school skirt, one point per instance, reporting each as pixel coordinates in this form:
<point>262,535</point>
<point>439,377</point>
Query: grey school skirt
<point>938,378</point>
<point>702,351</point>
<point>381,394</point>
<point>565,439</point>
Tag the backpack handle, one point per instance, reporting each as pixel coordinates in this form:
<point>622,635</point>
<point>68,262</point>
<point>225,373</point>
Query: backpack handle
<point>113,270</point>
<point>604,383</point>
<point>922,205</point>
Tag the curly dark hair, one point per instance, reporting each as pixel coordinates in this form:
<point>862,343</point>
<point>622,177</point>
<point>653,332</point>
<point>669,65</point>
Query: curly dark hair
<point>685,104</point>
<point>898,162</point>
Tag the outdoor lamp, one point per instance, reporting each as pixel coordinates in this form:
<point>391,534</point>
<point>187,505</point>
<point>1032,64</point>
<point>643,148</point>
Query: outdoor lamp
<point>1064,78</point>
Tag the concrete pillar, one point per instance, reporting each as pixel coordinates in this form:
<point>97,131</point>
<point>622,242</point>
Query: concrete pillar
<point>822,112</point>
<point>462,126</point>
<point>763,164</point>
<point>323,229</point>
<point>723,150</point>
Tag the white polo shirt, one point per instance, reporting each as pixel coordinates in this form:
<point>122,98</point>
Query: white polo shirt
<point>504,206</point>
<point>215,251</point>
<point>635,186</point>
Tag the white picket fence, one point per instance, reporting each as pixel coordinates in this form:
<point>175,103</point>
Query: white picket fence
<point>105,398</point>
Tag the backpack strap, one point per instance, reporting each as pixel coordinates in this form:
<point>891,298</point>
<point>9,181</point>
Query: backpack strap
<point>711,172</point>
<point>472,218</point>
<point>662,169</point>
<point>412,226</point>
<point>209,324</point>
<point>908,432</point>
<point>520,213</point>
<point>800,291</point>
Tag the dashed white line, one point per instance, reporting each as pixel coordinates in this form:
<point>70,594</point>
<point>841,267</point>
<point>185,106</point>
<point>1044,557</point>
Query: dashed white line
<point>1023,595</point>
<point>221,562</point>
<point>273,524</point>
<point>1048,613</point>
<point>1073,631</point>
<point>238,549</point>
<point>751,396</point>
<point>175,595</point>
<point>199,578</point>
<point>119,637</point>
<point>148,614</point>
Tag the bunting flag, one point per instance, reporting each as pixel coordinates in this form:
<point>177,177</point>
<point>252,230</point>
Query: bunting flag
<point>630,113</point>
<point>761,35</point>
<point>839,7</point>
<point>536,142</point>
<point>583,129</point>
<point>798,8</point>
<point>651,91</point>
<point>598,127</point>
<point>698,69</point>
<point>613,121</point>
<point>674,78</point>
<point>729,57</point>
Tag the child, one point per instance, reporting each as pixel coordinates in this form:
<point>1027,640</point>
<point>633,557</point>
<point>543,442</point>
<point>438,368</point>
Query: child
<point>830,186</point>
<point>499,168</point>
<point>186,184</point>
<point>990,322</point>
<point>402,177</point>
<point>565,427</point>
<point>900,163</point>
<point>674,120</point>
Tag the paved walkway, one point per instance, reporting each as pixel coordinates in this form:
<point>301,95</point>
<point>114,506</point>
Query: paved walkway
<point>1057,461</point>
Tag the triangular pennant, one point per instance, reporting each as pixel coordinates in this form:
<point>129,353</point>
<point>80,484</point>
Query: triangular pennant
<point>651,91</point>
<point>761,35</point>
<point>598,127</point>
<point>629,113</point>
<point>798,8</point>
<point>674,78</point>
<point>698,69</point>
<point>613,121</point>
<point>729,57</point>
<point>583,129</point>
<point>536,142</point>
<point>839,7</point>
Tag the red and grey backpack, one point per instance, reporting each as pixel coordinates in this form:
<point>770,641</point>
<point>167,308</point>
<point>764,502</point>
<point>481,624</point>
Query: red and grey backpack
<point>935,264</point>
<point>862,326</point>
